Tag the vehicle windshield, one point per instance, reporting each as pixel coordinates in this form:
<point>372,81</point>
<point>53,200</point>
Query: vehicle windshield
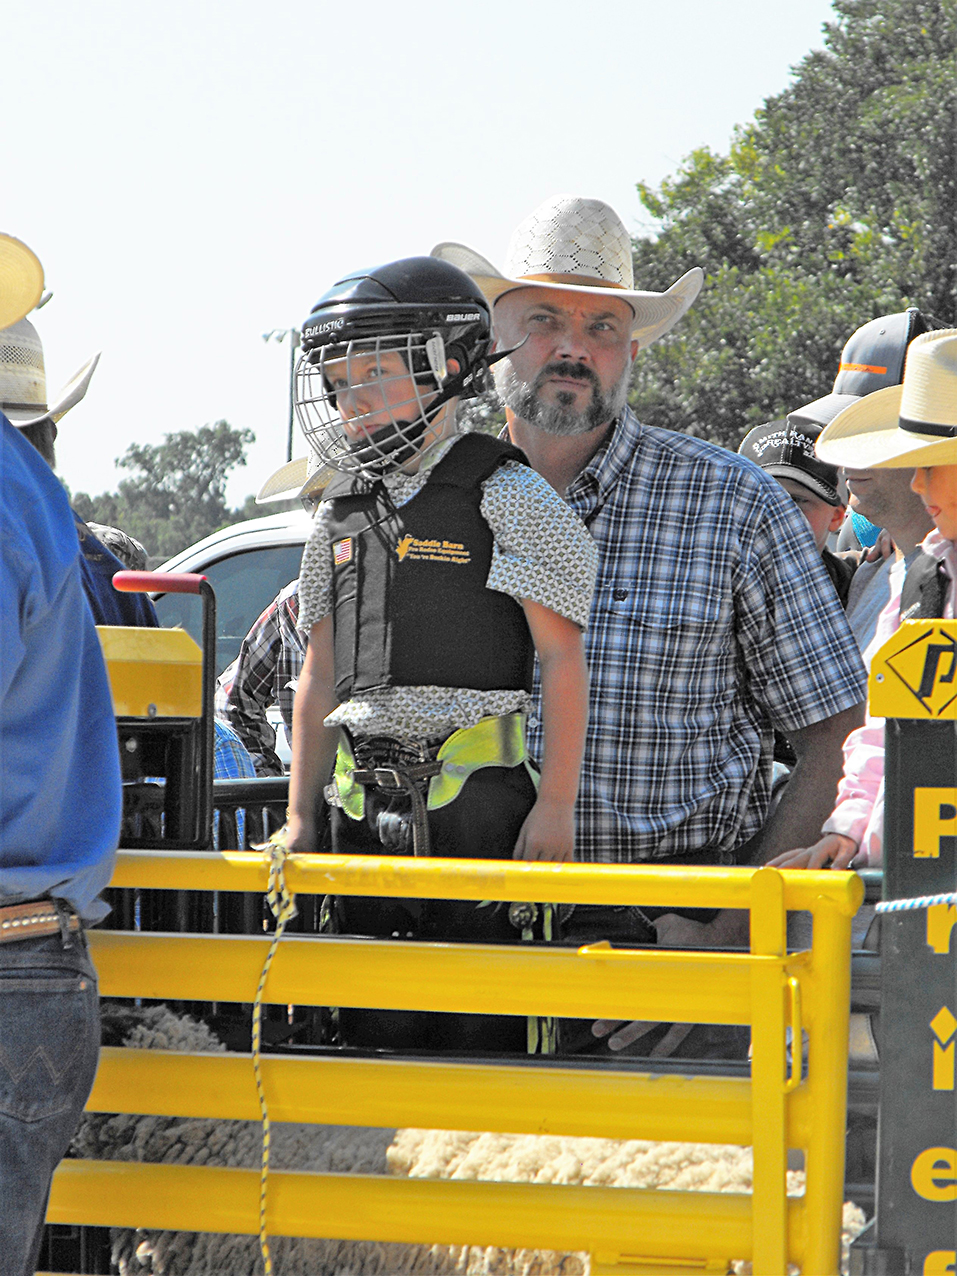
<point>245,584</point>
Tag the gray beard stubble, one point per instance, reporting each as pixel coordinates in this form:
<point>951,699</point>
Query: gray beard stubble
<point>560,418</point>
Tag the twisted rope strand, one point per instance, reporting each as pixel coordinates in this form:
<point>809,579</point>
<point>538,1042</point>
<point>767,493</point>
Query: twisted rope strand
<point>282,905</point>
<point>908,905</point>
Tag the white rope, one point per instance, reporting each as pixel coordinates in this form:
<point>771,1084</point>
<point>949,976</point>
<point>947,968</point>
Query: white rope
<point>910,905</point>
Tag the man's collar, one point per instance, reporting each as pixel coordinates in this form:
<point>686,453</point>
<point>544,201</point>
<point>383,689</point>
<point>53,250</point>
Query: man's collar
<point>605,467</point>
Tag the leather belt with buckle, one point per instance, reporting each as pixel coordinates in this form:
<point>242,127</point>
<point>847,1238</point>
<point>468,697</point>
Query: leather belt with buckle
<point>30,921</point>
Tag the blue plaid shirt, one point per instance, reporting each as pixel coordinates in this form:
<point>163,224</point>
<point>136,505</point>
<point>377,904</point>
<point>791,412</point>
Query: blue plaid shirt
<point>231,760</point>
<point>713,622</point>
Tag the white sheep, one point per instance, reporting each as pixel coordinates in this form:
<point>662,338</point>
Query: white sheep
<point>412,1153</point>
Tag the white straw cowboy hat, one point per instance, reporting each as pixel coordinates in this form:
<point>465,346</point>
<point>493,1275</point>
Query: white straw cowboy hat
<point>306,476</point>
<point>21,280</point>
<point>913,424</point>
<point>578,245</point>
<point>23,384</point>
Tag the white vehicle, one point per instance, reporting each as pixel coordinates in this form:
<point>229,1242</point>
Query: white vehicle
<point>247,565</point>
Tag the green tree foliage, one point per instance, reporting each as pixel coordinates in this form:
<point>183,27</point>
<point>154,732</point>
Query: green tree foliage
<point>176,490</point>
<point>836,203</point>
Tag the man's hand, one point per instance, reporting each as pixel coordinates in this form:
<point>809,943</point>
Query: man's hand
<point>834,850</point>
<point>621,1035</point>
<point>547,834</point>
<point>728,930</point>
<point>882,548</point>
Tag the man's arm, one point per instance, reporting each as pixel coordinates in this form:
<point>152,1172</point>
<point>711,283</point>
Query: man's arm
<point>253,689</point>
<point>805,804</point>
<point>809,794</point>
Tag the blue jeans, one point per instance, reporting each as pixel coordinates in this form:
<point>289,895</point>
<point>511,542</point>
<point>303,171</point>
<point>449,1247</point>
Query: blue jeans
<point>49,1045</point>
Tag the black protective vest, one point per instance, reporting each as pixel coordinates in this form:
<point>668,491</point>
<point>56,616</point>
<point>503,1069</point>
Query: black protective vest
<point>410,606</point>
<point>925,589</point>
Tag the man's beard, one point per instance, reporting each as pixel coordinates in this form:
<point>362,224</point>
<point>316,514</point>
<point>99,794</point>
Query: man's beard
<point>562,416</point>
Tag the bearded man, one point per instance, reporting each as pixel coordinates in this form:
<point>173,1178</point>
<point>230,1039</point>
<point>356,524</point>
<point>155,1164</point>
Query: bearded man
<point>713,620</point>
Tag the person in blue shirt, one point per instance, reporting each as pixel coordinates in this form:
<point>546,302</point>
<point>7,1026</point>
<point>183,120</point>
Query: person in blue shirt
<point>24,401</point>
<point>60,800</point>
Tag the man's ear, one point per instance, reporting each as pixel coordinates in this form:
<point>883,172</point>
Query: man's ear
<point>634,351</point>
<point>837,518</point>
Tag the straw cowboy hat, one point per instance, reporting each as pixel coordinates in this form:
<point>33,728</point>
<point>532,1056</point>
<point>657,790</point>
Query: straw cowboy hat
<point>23,385</point>
<point>21,280</point>
<point>914,424</point>
<point>578,245</point>
<point>304,477</point>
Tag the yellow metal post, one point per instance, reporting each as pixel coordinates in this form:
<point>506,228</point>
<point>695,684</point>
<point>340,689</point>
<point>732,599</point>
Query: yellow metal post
<point>830,978</point>
<point>769,1192</point>
<point>688,987</point>
<point>416,1211</point>
<point>427,1095</point>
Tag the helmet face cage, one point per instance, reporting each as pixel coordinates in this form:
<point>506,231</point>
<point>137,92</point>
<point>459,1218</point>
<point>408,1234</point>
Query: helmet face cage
<point>365,404</point>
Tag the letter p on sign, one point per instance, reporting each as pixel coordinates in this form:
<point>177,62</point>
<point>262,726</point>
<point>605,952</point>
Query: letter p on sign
<point>935,816</point>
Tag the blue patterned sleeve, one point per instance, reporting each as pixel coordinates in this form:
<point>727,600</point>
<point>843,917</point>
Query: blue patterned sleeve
<point>801,658</point>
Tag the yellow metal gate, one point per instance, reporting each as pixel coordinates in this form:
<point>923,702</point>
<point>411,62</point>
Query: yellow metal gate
<point>624,1229</point>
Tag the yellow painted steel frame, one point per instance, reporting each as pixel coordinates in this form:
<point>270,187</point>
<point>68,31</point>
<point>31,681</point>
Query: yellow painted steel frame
<point>624,1229</point>
<point>154,673</point>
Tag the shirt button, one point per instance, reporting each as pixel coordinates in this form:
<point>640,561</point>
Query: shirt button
<point>619,595</point>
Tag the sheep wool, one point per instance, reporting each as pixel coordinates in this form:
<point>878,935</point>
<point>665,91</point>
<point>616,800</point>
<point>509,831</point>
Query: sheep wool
<point>410,1152</point>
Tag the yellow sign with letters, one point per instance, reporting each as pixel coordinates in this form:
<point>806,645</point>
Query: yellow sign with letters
<point>934,1174</point>
<point>914,675</point>
<point>935,816</point>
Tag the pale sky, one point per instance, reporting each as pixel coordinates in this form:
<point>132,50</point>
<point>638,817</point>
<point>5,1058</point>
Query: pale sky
<point>192,174</point>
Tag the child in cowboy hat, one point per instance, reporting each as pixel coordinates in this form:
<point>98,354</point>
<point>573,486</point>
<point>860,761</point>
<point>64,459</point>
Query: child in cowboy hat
<point>913,426</point>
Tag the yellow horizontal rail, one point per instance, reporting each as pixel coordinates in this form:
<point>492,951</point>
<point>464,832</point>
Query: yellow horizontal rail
<point>687,987</point>
<point>482,879</point>
<point>432,1095</point>
<point>418,1211</point>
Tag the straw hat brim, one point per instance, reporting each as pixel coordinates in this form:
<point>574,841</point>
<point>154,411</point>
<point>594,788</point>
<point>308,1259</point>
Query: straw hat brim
<point>21,280</point>
<point>68,397</point>
<point>284,484</point>
<point>293,481</point>
<point>655,312</point>
<point>866,436</point>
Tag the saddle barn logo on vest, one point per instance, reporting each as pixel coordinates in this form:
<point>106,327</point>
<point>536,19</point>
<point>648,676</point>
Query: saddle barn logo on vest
<point>410,549</point>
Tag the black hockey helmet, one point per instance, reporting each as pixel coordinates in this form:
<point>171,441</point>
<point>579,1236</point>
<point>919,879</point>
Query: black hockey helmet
<point>428,311</point>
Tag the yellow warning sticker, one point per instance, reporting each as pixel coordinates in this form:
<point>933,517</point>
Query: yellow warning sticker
<point>914,675</point>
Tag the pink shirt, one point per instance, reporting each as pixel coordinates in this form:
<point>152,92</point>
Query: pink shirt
<point>859,813</point>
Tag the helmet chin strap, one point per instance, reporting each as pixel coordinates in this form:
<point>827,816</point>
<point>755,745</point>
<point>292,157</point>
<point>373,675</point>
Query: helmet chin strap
<point>397,442</point>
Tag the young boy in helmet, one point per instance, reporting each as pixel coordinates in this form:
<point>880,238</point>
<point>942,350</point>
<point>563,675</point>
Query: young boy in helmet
<point>439,565</point>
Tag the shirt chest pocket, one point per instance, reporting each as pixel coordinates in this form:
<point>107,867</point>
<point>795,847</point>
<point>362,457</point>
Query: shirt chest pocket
<point>677,606</point>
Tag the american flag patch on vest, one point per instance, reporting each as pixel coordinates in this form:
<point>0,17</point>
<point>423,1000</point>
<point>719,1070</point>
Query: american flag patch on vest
<point>342,551</point>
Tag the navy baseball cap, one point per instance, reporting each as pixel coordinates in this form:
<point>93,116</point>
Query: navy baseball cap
<point>872,359</point>
<point>875,354</point>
